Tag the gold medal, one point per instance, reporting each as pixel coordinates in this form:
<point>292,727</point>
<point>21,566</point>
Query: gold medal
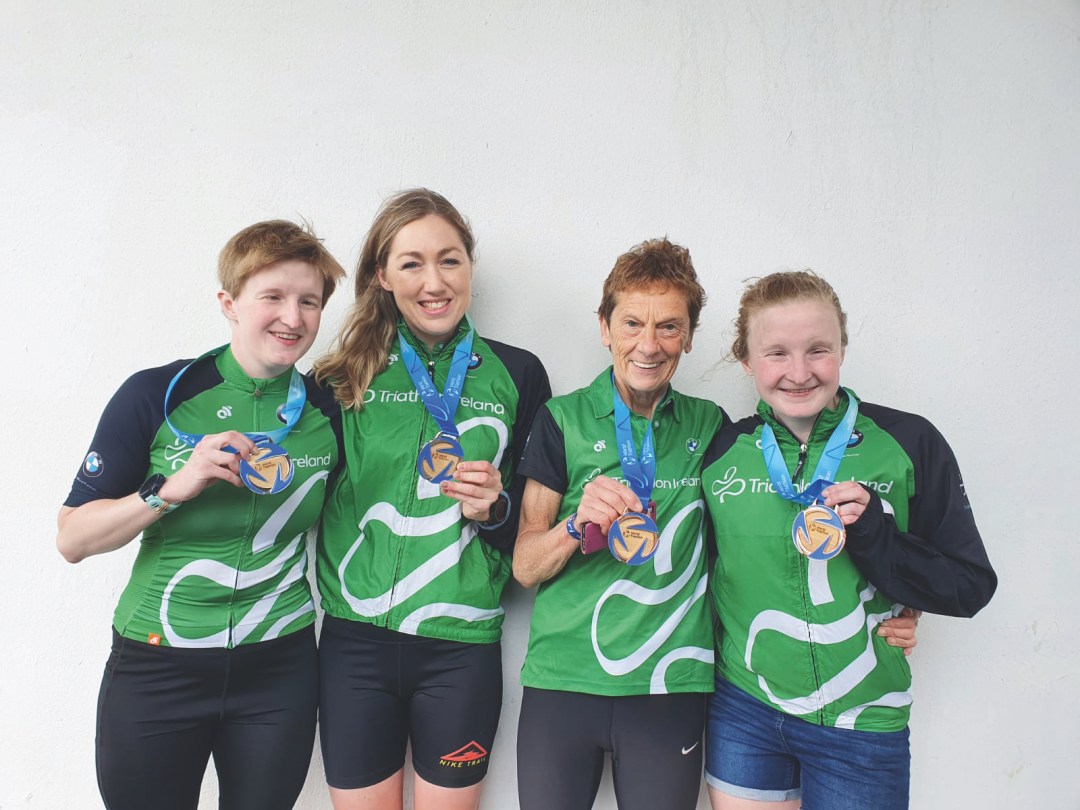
<point>633,538</point>
<point>439,458</point>
<point>818,532</point>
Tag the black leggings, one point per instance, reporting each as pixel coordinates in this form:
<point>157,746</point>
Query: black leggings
<point>654,742</point>
<point>164,711</point>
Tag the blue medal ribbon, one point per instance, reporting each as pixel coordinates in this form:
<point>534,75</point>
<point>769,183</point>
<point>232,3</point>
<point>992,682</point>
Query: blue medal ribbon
<point>639,471</point>
<point>294,406</point>
<point>827,467</point>
<point>442,407</point>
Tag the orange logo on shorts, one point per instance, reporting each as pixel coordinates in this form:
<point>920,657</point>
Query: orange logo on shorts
<point>470,754</point>
<point>154,639</point>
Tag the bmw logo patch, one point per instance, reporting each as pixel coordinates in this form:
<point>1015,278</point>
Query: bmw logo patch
<point>92,464</point>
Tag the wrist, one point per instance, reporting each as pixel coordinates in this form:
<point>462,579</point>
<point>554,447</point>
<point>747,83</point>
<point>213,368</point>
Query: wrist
<point>151,494</point>
<point>498,512</point>
<point>572,529</point>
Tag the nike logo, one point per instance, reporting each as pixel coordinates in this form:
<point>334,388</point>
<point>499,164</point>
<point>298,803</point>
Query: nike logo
<point>686,751</point>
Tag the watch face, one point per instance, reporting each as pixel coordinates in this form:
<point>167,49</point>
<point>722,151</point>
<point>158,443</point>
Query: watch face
<point>151,486</point>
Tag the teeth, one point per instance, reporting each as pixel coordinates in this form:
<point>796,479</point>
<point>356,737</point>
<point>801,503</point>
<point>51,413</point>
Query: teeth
<point>285,335</point>
<point>639,364</point>
<point>434,304</point>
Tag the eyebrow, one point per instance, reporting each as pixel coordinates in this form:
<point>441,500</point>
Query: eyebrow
<point>418,255</point>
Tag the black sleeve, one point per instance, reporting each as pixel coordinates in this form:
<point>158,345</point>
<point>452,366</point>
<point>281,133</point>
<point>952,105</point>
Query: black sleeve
<point>322,397</point>
<point>939,565</point>
<point>534,389</point>
<point>116,464</point>
<point>544,459</point>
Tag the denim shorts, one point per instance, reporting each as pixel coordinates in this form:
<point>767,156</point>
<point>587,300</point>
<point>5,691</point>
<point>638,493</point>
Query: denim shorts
<point>756,752</point>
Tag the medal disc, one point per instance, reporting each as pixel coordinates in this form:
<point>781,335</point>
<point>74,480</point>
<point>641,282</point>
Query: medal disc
<point>439,458</point>
<point>818,532</point>
<point>633,538</point>
<point>268,470</point>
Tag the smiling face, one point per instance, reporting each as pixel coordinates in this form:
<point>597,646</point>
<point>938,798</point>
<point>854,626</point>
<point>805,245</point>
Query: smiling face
<point>794,353</point>
<point>648,332</point>
<point>275,317</point>
<point>429,273</point>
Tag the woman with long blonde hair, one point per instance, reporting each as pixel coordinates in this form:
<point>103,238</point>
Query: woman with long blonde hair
<point>414,548</point>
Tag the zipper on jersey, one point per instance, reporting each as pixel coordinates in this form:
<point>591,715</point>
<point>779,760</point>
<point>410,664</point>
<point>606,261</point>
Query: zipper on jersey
<point>802,462</point>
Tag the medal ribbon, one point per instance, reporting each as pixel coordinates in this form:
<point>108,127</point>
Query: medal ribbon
<point>639,472</point>
<point>827,467</point>
<point>294,406</point>
<point>442,407</point>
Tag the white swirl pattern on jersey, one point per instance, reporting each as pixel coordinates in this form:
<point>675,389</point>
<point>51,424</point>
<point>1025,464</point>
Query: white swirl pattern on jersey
<point>662,564</point>
<point>234,579</point>
<point>405,526</point>
<point>857,622</point>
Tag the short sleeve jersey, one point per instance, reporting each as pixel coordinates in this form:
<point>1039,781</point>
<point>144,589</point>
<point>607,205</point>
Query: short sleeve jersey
<point>799,634</point>
<point>600,626</point>
<point>228,567</point>
<point>394,551</point>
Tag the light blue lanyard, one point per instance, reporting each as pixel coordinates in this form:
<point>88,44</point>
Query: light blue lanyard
<point>828,465</point>
<point>442,407</point>
<point>640,473</point>
<point>294,406</point>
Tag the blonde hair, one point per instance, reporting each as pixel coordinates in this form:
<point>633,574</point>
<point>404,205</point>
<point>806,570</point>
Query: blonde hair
<point>362,348</point>
<point>258,246</point>
<point>780,288</point>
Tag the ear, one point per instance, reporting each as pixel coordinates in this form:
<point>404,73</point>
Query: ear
<point>228,305</point>
<point>380,273</point>
<point>843,354</point>
<point>746,367</point>
<point>605,332</point>
<point>689,344</point>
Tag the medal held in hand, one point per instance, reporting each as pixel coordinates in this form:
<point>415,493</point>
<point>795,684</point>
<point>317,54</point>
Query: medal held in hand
<point>633,538</point>
<point>439,458</point>
<point>268,470</point>
<point>818,532</point>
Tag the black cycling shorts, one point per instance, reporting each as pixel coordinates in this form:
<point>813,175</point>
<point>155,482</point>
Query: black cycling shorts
<point>382,689</point>
<point>654,742</point>
<point>164,711</point>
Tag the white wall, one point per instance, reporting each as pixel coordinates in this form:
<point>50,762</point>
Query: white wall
<point>921,155</point>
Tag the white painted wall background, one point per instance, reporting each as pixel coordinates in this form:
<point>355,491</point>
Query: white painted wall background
<point>923,156</point>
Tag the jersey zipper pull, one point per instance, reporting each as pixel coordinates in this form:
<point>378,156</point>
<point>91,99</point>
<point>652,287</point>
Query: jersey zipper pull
<point>799,466</point>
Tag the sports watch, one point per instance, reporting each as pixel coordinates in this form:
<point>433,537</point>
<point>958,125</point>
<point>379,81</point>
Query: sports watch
<point>500,511</point>
<point>149,493</point>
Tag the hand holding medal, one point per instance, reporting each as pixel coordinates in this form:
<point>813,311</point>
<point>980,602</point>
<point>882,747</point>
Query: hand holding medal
<point>262,464</point>
<point>477,485</point>
<point>217,457</point>
<point>627,515</point>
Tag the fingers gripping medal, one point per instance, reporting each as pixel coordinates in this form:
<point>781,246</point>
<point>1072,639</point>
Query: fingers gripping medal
<point>438,458</point>
<point>268,470</point>
<point>634,538</point>
<point>818,532</point>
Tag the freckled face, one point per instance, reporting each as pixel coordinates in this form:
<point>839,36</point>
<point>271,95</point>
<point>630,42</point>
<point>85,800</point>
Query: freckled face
<point>648,332</point>
<point>430,275</point>
<point>794,355</point>
<point>275,317</point>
